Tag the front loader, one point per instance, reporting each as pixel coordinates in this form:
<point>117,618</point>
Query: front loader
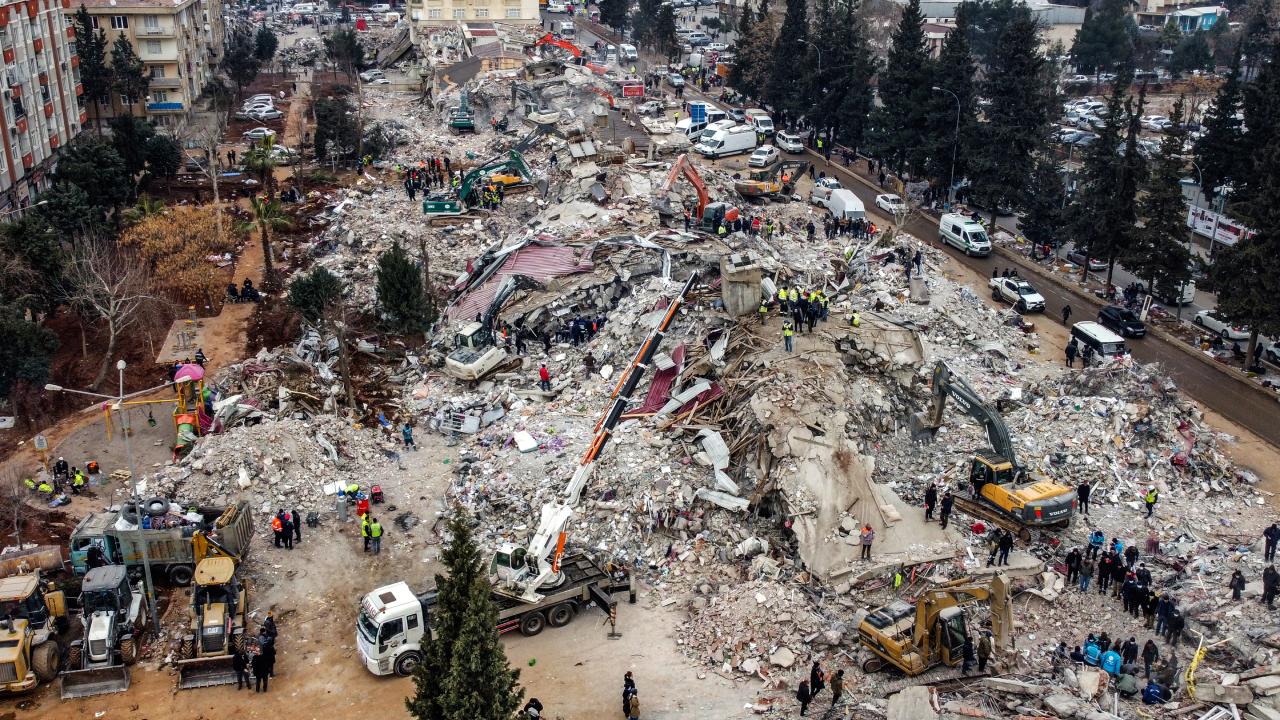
<point>217,625</point>
<point>113,618</point>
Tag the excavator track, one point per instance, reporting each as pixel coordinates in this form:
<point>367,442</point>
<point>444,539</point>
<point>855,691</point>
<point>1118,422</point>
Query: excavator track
<point>446,220</point>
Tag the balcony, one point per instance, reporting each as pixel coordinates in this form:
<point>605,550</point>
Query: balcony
<point>159,31</point>
<point>165,107</point>
<point>165,83</point>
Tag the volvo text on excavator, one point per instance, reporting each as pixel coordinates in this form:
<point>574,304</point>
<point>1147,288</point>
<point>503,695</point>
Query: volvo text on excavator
<point>1003,492</point>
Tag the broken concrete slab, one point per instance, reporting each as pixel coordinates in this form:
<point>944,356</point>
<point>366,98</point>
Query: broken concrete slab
<point>1014,687</point>
<point>783,657</point>
<point>1214,692</point>
<point>914,703</point>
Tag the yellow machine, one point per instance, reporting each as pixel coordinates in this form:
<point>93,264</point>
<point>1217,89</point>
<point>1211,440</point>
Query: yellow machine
<point>1002,490</point>
<point>218,620</point>
<point>915,639</point>
<point>31,615</point>
<point>773,181</point>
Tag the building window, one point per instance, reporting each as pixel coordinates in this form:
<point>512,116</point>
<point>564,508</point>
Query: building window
<point>159,96</point>
<point>153,47</point>
<point>157,71</point>
<point>44,93</point>
<point>18,110</point>
<point>513,12</point>
<point>433,14</point>
<point>93,20</point>
<point>151,22</point>
<point>459,13</point>
<point>125,100</point>
<point>119,22</point>
<point>482,12</point>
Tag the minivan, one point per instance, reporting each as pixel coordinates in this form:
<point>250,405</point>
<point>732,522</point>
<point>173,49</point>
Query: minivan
<point>629,53</point>
<point>964,234</point>
<point>1104,342</point>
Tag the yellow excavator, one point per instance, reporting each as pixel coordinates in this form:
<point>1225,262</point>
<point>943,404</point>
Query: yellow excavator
<point>1000,490</point>
<point>914,639</point>
<point>218,608</point>
<point>32,614</point>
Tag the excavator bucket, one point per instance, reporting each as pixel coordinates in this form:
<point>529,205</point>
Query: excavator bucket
<point>922,430</point>
<point>205,672</point>
<point>94,681</point>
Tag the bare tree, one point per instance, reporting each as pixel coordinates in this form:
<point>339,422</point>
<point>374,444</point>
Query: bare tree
<point>13,500</point>
<point>108,284</point>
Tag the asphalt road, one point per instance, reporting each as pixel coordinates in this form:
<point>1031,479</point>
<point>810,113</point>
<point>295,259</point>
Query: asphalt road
<point>1247,407</point>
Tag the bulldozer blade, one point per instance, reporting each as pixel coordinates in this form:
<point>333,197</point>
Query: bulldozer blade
<point>205,672</point>
<point>94,681</point>
<point>921,430</point>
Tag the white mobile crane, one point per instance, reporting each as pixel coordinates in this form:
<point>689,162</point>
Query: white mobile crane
<point>533,586</point>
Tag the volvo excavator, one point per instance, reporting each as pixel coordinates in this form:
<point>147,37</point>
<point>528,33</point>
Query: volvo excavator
<point>914,639</point>
<point>706,214</point>
<point>777,181</point>
<point>1000,490</point>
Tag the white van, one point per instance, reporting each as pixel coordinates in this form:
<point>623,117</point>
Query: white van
<point>713,128</point>
<point>761,121</point>
<point>964,234</point>
<point>567,29</point>
<point>380,8</point>
<point>304,8</point>
<point>690,129</point>
<point>844,205</point>
<point>629,53</point>
<point>1104,342</point>
<point>732,141</point>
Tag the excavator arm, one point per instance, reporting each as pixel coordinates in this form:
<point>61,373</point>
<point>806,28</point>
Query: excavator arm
<point>931,604</point>
<point>683,165</point>
<point>924,426</point>
<point>550,39</point>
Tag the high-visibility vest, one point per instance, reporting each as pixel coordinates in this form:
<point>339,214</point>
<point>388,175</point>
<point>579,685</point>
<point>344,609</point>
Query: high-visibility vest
<point>79,481</point>
<point>46,488</point>
<point>721,231</point>
<point>276,525</point>
<point>764,309</point>
<point>1151,497</point>
<point>353,488</point>
<point>857,319</point>
<point>787,331</point>
<point>364,527</point>
<point>375,530</point>
<point>782,294</point>
<point>31,484</point>
<point>794,295</point>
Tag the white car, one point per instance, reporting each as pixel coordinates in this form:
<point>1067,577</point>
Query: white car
<point>369,75</point>
<point>379,81</point>
<point>764,156</point>
<point>717,47</point>
<point>258,133</point>
<point>891,204</point>
<point>261,97</point>
<point>649,107</point>
<point>1210,320</point>
<point>675,80</point>
<point>1156,123</point>
<point>557,7</point>
<point>248,111</point>
<point>265,115</point>
<point>789,142</point>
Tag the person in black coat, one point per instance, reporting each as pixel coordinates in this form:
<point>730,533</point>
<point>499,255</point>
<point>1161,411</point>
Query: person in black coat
<point>930,501</point>
<point>261,672</point>
<point>240,663</point>
<point>1236,584</point>
<point>297,525</point>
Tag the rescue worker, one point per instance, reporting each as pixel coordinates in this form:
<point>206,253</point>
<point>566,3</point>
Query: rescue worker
<point>764,311</point>
<point>782,299</point>
<point>77,482</point>
<point>856,320</point>
<point>277,528</point>
<point>1150,499</point>
<point>375,532</point>
<point>45,488</point>
<point>787,332</point>
<point>364,531</point>
<point>31,484</point>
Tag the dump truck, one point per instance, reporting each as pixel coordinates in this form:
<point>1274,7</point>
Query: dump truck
<point>218,623</point>
<point>169,549</point>
<point>915,638</point>
<point>32,615</point>
<point>113,618</point>
<point>999,489</point>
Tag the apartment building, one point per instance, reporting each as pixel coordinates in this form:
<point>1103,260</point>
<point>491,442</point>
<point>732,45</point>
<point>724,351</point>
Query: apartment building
<point>180,43</point>
<point>40,108</point>
<point>476,15</point>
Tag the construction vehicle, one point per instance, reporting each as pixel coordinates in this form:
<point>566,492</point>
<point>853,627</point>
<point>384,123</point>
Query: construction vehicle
<point>774,182</point>
<point>113,618</point>
<point>461,117</point>
<point>1000,490</point>
<point>218,618</point>
<point>706,214</point>
<point>508,168</point>
<point>914,639</point>
<point>475,355</point>
<point>32,614</point>
<point>579,57</point>
<point>168,549</point>
<point>533,586</point>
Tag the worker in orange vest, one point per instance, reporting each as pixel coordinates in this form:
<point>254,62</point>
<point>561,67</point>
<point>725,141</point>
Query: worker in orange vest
<point>277,527</point>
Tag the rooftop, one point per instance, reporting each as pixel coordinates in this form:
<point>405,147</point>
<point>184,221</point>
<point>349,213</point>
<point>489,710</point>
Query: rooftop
<point>104,5</point>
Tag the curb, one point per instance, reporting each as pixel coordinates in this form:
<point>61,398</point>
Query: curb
<point>1085,298</point>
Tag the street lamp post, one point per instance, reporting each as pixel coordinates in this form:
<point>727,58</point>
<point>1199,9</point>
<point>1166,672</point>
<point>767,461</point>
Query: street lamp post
<point>955,143</point>
<point>126,429</point>
<point>819,51</point>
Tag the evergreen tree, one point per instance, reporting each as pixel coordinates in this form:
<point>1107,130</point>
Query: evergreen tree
<point>314,293</point>
<point>344,50</point>
<point>614,13</point>
<point>400,292</point>
<point>96,168</point>
<point>164,156</point>
<point>786,84</point>
<point>34,244</point>
<point>1019,86</point>
<point>265,44</point>
<point>1044,222</point>
<point>1105,39</point>
<point>1220,151</point>
<point>955,71</point>
<point>335,124</point>
<point>1191,53</point>
<point>129,136</point>
<point>1159,255</point>
<point>68,210</point>
<point>1261,109</point>
<point>755,55</point>
<point>985,21</point>
<point>644,22</point>
<point>95,75</point>
<point>762,10</point>
<point>900,125</point>
<point>239,62</point>
<point>1093,205</point>
<point>27,350</point>
<point>1133,172</point>
<point>665,39</point>
<point>1256,37</point>
<point>840,95</point>
<point>464,673</point>
<point>130,76</point>
<point>740,69</point>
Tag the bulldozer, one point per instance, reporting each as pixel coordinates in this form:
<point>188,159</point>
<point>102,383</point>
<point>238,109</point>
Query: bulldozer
<point>914,639</point>
<point>113,617</point>
<point>32,614</point>
<point>218,618</point>
<point>1001,491</point>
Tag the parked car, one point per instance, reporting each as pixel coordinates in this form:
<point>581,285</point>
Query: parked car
<point>736,115</point>
<point>260,97</point>
<point>247,113</point>
<point>675,80</point>
<point>1077,257</point>
<point>1122,321</point>
<point>891,204</point>
<point>258,133</point>
<point>789,142</point>
<point>1156,123</point>
<point>717,47</point>
<point>1018,292</point>
<point>1085,138</point>
<point>265,115</point>
<point>649,107</point>
<point>764,156</point>
<point>1212,321</point>
<point>557,7</point>
<point>379,81</point>
<point>369,75</point>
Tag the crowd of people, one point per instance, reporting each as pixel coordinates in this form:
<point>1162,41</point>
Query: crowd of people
<point>257,659</point>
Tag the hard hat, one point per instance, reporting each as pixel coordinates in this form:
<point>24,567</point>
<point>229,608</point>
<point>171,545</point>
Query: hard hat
<point>1150,488</point>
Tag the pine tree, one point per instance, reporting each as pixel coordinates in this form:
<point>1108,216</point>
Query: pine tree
<point>741,68</point>
<point>400,292</point>
<point>1019,86</point>
<point>1159,255</point>
<point>464,663</point>
<point>312,294</point>
<point>1044,222</point>
<point>95,75</point>
<point>1104,41</point>
<point>644,21</point>
<point>840,95</point>
<point>614,13</point>
<point>901,123</point>
<point>1133,171</point>
<point>955,71</point>
<point>1094,207</point>
<point>786,83</point>
<point>762,10</point>
<point>1220,151</point>
<point>128,71</point>
<point>1261,110</point>
<point>755,55</point>
<point>265,44</point>
<point>1191,53</point>
<point>665,39</point>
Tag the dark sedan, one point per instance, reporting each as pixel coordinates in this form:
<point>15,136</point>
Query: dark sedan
<point>1122,321</point>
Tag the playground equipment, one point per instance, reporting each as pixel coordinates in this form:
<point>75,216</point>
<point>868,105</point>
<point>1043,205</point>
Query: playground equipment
<point>193,409</point>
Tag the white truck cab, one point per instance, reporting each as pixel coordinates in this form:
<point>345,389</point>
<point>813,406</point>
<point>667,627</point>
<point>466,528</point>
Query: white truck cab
<point>391,627</point>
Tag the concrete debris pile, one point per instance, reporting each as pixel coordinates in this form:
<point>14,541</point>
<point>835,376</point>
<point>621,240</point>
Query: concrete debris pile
<point>303,52</point>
